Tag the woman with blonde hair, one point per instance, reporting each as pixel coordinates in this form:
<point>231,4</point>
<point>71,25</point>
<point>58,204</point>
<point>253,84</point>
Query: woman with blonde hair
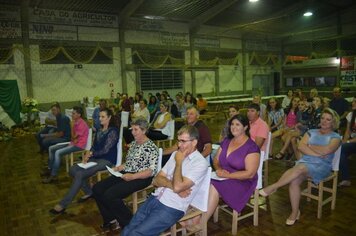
<point>317,149</point>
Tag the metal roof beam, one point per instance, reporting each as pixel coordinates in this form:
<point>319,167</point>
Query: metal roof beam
<point>128,10</point>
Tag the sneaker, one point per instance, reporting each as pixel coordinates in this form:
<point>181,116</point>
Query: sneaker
<point>84,198</point>
<point>344,183</point>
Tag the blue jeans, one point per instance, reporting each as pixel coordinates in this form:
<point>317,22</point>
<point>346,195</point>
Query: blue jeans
<point>80,181</point>
<point>45,130</point>
<point>347,149</point>
<point>152,218</point>
<point>56,152</point>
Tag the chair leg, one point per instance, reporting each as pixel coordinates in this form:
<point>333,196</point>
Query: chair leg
<point>67,163</point>
<point>255,208</point>
<point>134,202</point>
<point>174,230</point>
<point>216,214</point>
<point>320,199</point>
<point>234,222</point>
<point>265,176</point>
<point>71,159</point>
<point>333,201</point>
<point>309,190</point>
<point>204,224</point>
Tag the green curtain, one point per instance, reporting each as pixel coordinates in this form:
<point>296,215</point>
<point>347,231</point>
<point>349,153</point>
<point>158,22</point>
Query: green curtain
<point>10,99</point>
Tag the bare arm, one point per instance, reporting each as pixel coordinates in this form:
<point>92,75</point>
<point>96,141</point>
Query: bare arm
<point>347,132</point>
<point>252,162</point>
<point>216,160</point>
<point>259,141</point>
<point>207,149</point>
<point>170,150</point>
<point>304,148</point>
<point>328,149</point>
<point>179,182</point>
<point>161,180</point>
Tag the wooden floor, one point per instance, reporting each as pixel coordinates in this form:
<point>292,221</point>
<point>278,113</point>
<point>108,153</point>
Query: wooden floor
<point>24,202</point>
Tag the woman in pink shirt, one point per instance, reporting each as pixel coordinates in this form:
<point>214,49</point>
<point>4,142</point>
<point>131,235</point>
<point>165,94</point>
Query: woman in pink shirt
<point>79,136</point>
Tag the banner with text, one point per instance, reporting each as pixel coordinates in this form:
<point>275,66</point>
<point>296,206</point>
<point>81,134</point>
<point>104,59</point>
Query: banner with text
<point>53,32</point>
<point>63,17</point>
<point>348,78</point>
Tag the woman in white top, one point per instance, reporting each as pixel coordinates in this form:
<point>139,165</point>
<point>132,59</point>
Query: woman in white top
<point>160,128</point>
<point>287,99</point>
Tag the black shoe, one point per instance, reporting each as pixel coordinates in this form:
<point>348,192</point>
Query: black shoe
<point>55,212</point>
<point>50,180</point>
<point>45,173</point>
<point>84,198</point>
<point>110,226</point>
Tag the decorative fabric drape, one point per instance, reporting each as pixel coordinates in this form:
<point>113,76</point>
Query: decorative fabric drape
<point>10,99</point>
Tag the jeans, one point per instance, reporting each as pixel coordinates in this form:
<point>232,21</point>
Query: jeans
<point>56,152</point>
<point>80,181</point>
<point>152,218</point>
<point>109,195</point>
<point>49,141</point>
<point>45,130</point>
<point>347,149</point>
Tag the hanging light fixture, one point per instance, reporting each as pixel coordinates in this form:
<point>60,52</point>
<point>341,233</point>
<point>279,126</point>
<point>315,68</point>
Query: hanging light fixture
<point>308,13</point>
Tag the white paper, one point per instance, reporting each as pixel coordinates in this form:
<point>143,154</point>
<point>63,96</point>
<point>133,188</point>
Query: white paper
<point>215,177</point>
<point>87,165</point>
<point>115,173</point>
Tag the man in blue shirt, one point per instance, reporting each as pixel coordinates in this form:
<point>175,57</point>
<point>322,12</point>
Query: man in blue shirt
<point>340,105</point>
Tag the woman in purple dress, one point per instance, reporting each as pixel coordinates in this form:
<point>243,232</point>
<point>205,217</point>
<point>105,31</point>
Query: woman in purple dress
<point>236,161</point>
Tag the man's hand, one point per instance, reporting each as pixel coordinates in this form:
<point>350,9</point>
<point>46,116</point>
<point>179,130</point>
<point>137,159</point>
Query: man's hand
<point>185,193</point>
<point>180,156</point>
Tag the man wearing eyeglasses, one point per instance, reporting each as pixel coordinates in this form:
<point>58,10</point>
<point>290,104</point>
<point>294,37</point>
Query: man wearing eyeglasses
<point>204,141</point>
<point>177,183</point>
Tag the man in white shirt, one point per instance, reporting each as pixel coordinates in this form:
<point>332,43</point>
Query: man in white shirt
<point>177,182</point>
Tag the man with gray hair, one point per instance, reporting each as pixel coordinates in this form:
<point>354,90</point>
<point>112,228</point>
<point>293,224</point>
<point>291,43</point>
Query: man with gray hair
<point>177,184</point>
<point>204,141</point>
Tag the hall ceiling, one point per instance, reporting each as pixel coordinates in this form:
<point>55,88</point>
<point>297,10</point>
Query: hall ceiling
<point>272,18</point>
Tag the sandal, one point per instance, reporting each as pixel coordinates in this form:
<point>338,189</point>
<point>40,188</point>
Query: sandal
<point>279,156</point>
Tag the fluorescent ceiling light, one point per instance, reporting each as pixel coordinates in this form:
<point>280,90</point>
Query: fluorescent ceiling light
<point>253,0</point>
<point>308,13</point>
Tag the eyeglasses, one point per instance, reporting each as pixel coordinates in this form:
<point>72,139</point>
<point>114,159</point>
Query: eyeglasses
<point>184,141</point>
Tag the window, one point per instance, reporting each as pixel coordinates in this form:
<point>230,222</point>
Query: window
<point>161,79</point>
<point>80,54</point>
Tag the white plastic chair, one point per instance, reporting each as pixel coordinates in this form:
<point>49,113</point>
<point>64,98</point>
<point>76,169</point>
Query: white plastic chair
<point>266,158</point>
<point>90,111</point>
<point>68,113</point>
<point>254,205</point>
<point>322,188</point>
<point>125,118</point>
<point>171,127</point>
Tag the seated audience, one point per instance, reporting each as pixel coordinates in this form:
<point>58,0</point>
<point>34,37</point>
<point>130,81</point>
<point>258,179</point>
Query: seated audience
<point>348,146</point>
<point>103,153</point>
<point>62,133</point>
<point>177,184</point>
<point>275,119</point>
<point>233,110</point>
<point>312,94</point>
<point>237,160</point>
<point>317,149</point>
<point>152,106</point>
<point>258,128</point>
<point>159,129</point>
<point>138,171</point>
<point>340,105</point>
<point>50,127</point>
<point>79,138</point>
<point>141,112</point>
<point>303,118</point>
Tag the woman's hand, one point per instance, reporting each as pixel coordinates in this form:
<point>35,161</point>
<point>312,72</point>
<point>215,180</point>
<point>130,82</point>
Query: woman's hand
<point>222,173</point>
<point>86,156</point>
<point>128,177</point>
<point>119,168</point>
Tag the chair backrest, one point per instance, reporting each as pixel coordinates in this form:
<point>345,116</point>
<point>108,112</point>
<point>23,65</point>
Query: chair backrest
<point>68,113</point>
<point>336,159</point>
<point>89,139</point>
<point>43,115</point>
<point>259,171</point>
<point>119,152</point>
<point>160,155</point>
<point>200,200</point>
<point>125,118</point>
<point>268,144</point>
<point>89,111</point>
<point>171,126</point>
